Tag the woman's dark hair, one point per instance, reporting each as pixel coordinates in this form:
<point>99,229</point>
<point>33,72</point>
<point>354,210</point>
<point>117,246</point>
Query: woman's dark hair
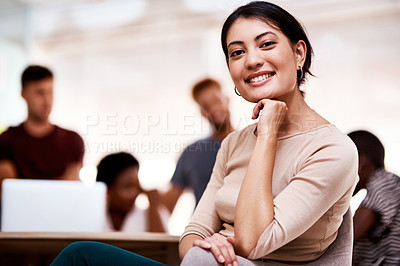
<point>276,17</point>
<point>369,145</point>
<point>34,73</point>
<point>114,164</point>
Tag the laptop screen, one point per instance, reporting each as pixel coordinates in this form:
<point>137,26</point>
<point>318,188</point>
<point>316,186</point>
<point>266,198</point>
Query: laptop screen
<point>53,205</point>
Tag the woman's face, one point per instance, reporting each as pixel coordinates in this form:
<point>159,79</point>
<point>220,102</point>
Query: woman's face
<point>123,192</point>
<point>262,61</point>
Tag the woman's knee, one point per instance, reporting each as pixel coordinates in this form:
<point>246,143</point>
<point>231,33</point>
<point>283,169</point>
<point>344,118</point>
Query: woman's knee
<point>80,247</point>
<point>74,253</point>
<point>197,256</point>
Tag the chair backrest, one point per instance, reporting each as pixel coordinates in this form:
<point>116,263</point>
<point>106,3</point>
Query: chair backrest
<point>341,251</point>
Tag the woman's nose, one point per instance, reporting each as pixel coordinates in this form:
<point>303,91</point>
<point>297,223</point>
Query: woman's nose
<point>253,59</point>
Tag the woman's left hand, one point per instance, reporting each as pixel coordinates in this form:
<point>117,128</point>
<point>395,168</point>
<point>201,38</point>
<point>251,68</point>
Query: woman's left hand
<point>221,247</point>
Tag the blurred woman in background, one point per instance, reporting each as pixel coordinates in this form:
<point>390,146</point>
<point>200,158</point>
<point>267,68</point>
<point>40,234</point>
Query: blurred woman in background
<point>119,171</point>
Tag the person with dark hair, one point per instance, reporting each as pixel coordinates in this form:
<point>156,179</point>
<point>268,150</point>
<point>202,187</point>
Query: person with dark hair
<point>38,149</point>
<point>281,187</point>
<point>377,220</point>
<point>119,171</point>
<point>195,164</point>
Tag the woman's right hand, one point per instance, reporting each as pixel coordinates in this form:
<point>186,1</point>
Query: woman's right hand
<point>271,113</point>
<point>221,247</point>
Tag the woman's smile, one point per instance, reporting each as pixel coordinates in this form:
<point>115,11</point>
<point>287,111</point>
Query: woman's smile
<point>260,78</point>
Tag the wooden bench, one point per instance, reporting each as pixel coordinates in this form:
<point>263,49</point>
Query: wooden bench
<point>40,248</point>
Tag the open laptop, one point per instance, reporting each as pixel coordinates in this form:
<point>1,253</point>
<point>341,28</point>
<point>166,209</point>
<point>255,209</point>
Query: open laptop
<point>52,205</point>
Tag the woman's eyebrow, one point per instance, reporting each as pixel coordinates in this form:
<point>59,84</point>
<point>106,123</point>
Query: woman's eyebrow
<point>256,38</point>
<point>234,42</point>
<point>263,34</point>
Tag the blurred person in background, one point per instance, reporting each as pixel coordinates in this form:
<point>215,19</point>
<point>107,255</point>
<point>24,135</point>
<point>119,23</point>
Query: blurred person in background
<point>38,149</point>
<point>377,220</point>
<point>195,164</point>
<point>119,171</point>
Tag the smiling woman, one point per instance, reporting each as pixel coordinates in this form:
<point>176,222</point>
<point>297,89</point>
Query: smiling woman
<point>280,187</point>
<point>279,21</point>
<point>263,45</point>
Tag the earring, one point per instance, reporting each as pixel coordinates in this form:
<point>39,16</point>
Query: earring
<point>301,73</point>
<point>236,91</point>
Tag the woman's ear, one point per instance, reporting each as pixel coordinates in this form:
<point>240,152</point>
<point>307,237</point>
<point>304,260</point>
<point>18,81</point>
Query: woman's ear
<point>300,52</point>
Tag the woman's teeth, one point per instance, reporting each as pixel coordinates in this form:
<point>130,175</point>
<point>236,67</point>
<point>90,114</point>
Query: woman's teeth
<point>259,78</point>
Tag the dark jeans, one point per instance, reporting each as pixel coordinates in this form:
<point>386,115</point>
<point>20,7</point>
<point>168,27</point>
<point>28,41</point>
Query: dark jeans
<point>94,253</point>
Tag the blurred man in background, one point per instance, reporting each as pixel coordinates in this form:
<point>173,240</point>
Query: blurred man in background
<point>37,149</point>
<point>377,220</point>
<point>195,164</point>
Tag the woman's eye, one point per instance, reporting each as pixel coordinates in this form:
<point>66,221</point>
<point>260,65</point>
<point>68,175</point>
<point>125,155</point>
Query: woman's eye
<point>236,53</point>
<point>266,44</point>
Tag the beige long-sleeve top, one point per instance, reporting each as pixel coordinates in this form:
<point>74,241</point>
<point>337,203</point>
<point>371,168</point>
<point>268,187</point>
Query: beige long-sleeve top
<point>314,175</point>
